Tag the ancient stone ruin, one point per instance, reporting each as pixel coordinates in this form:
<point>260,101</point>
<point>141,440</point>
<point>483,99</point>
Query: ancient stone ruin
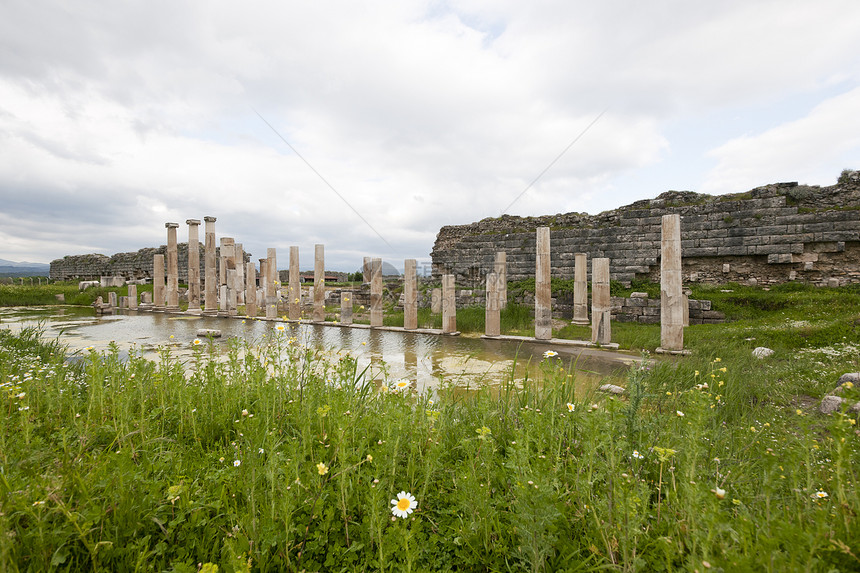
<point>768,235</point>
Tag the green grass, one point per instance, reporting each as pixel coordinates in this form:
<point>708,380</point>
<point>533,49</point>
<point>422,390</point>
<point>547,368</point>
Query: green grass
<point>717,461</point>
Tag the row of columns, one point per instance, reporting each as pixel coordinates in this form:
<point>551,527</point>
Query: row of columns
<point>237,283</point>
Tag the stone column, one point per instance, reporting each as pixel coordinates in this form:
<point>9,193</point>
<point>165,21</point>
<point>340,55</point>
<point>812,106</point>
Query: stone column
<point>580,289</point>
<point>226,256</point>
<point>193,266</point>
<point>671,295</point>
<point>543,290</point>
<point>250,289</point>
<point>269,290</point>
<point>410,295</point>
<point>211,283</point>
<point>449,305</point>
<point>366,269</point>
<point>376,292</point>
<point>132,297</point>
<point>492,316</point>
<point>295,302</point>
<point>346,307</point>
<point>501,269</point>
<point>158,282</point>
<point>239,262</point>
<point>319,283</point>
<point>274,277</point>
<point>112,300</point>
<point>223,276</point>
<point>436,301</point>
<point>601,306</point>
<point>172,303</point>
<point>232,293</point>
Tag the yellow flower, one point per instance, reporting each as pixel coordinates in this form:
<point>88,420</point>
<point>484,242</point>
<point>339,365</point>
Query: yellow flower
<point>369,458</point>
<point>197,342</point>
<point>280,328</point>
<point>717,359</point>
<point>723,369</point>
<point>322,469</point>
<point>719,492</point>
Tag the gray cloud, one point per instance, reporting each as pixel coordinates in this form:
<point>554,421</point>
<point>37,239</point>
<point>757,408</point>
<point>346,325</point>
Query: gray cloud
<point>115,120</point>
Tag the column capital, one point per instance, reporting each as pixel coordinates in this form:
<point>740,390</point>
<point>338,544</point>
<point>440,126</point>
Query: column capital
<point>192,221</point>
<point>171,225</point>
<point>209,219</point>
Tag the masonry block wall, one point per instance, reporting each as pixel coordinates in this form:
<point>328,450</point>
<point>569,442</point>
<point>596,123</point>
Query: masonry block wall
<point>772,234</point>
<point>135,265</point>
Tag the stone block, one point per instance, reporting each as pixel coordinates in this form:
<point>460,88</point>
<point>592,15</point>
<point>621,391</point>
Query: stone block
<point>779,258</point>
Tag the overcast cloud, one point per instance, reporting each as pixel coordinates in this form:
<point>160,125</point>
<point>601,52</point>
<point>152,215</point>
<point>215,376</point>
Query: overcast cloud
<point>118,117</point>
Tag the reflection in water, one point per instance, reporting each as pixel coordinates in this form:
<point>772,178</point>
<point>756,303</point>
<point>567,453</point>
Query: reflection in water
<point>423,359</point>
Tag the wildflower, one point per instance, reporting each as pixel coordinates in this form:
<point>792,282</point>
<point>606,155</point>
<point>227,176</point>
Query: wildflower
<point>279,328</point>
<point>719,492</point>
<point>236,463</point>
<point>88,348</point>
<point>262,451</point>
<point>361,307</point>
<point>322,469</point>
<point>723,369</point>
<point>403,505</point>
<point>848,385</point>
<point>697,373</point>
<point>402,384</point>
<point>799,412</point>
<point>221,460</point>
<point>171,337</point>
<point>679,413</point>
<point>820,494</point>
<point>296,301</point>
<point>244,412</point>
<point>369,458</point>
<point>196,342</point>
<point>752,428</point>
<point>637,455</point>
<point>570,407</point>
<point>717,359</point>
<point>550,354</point>
<point>193,410</point>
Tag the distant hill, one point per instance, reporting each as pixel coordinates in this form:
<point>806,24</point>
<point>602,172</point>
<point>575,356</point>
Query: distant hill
<point>23,269</point>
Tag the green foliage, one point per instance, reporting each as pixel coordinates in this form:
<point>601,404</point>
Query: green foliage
<point>285,458</point>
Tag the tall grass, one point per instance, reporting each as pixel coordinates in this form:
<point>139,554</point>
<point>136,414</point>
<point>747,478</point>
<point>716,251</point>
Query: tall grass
<point>285,458</point>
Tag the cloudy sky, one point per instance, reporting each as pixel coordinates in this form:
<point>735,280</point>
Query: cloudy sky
<point>366,126</point>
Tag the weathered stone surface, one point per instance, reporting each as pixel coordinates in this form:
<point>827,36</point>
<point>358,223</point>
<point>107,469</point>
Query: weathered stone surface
<point>762,352</point>
<point>612,389</point>
<point>853,377</point>
<point>206,332</point>
<point>725,238</point>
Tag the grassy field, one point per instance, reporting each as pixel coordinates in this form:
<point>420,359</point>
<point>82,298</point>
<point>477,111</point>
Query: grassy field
<point>283,458</point>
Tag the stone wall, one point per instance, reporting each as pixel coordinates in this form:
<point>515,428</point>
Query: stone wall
<point>771,234</point>
<point>134,265</point>
<point>640,308</point>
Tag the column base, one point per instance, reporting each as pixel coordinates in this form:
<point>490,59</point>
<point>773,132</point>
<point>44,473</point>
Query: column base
<point>580,322</point>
